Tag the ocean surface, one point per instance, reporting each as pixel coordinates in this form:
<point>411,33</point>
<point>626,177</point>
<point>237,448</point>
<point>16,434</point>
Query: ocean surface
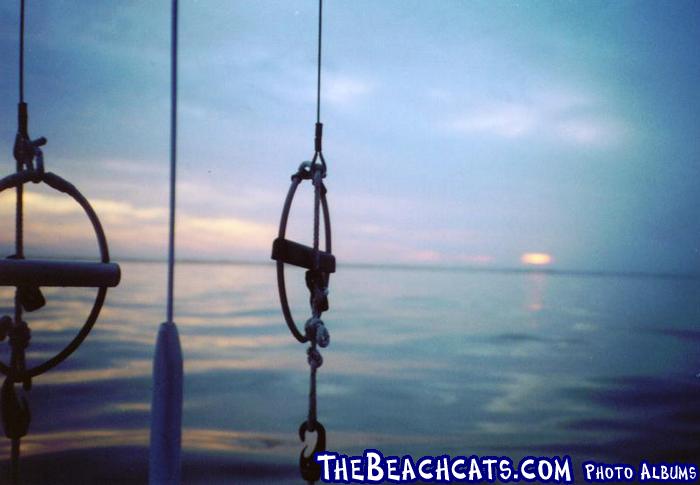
<point>420,361</point>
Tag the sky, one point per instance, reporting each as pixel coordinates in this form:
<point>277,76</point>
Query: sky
<point>456,132</point>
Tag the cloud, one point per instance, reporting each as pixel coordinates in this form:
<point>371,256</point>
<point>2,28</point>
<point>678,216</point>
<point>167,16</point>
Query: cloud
<point>56,225</point>
<point>591,132</point>
<point>424,256</point>
<point>339,90</point>
<point>343,90</point>
<point>556,116</point>
<point>474,258</point>
<point>218,235</point>
<point>137,168</point>
<point>507,121</point>
<point>58,221</point>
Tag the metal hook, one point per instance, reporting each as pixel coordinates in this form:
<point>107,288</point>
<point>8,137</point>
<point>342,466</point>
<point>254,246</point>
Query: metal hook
<point>309,468</point>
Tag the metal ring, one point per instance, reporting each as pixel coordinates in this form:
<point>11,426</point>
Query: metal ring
<point>61,185</point>
<point>296,180</point>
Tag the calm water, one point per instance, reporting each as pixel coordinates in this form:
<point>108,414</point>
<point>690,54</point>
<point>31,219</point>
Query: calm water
<point>422,362</point>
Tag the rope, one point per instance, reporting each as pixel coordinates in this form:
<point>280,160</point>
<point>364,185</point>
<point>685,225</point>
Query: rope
<point>173,159</point>
<point>17,358</point>
<point>312,404</point>
<point>315,360</point>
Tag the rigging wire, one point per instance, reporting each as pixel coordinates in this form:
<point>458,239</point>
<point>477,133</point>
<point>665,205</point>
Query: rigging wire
<point>173,159</point>
<point>21,131</point>
<point>21,52</point>
<point>318,69</point>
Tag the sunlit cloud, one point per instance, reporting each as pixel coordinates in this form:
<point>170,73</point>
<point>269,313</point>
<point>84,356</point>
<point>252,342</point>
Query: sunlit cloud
<point>108,210</point>
<point>58,220</point>
<point>213,235</point>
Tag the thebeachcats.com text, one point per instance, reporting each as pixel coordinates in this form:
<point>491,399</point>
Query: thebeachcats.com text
<point>373,467</point>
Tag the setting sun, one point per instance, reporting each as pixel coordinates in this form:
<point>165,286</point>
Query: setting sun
<point>536,258</point>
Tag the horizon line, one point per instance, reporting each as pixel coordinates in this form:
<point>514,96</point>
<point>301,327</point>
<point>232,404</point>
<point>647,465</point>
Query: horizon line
<point>434,267</point>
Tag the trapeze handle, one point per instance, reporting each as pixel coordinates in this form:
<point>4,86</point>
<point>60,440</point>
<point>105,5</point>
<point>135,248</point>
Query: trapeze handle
<point>291,252</point>
<point>37,272</point>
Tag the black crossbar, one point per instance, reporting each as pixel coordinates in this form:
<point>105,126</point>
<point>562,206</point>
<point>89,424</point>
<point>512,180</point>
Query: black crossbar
<point>37,272</point>
<point>299,255</point>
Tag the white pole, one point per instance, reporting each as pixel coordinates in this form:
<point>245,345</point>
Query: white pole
<point>166,409</point>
